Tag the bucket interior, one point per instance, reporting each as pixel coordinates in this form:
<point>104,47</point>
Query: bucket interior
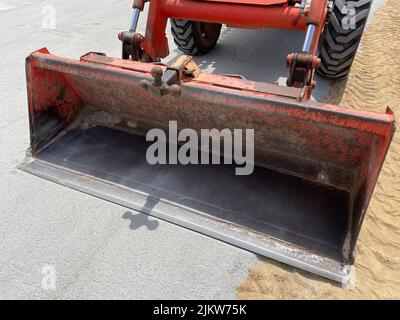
<point>299,212</point>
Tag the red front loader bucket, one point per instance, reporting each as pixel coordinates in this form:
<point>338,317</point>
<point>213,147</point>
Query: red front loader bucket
<point>317,165</point>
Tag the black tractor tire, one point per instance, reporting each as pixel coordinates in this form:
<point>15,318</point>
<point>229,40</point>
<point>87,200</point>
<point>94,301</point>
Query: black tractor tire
<point>195,38</point>
<point>340,43</point>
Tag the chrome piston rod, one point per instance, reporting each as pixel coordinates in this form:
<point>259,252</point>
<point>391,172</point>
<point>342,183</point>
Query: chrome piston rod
<point>309,38</point>
<point>135,19</point>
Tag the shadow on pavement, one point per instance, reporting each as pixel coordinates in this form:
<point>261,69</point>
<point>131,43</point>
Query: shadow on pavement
<point>142,219</point>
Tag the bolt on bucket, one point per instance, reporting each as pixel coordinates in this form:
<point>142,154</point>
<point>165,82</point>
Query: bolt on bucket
<point>316,165</point>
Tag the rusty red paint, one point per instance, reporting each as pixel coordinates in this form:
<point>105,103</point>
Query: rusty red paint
<point>51,90</point>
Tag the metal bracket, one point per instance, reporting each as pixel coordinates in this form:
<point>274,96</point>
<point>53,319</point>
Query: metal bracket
<point>131,45</point>
<point>168,83</point>
<point>302,67</point>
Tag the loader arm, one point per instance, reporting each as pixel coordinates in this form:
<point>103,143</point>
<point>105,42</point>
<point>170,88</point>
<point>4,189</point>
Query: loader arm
<point>252,2</point>
<point>287,15</point>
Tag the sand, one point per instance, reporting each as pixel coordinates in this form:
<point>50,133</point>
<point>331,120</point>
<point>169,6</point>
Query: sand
<point>374,83</point>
